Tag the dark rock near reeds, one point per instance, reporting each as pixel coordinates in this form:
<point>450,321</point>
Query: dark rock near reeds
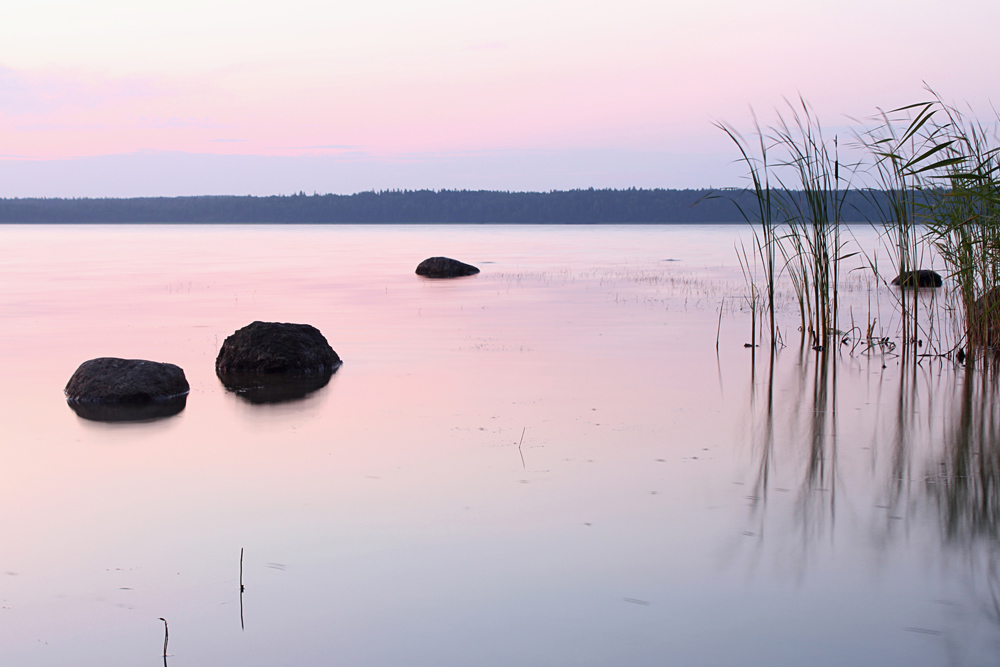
<point>984,320</point>
<point>261,388</point>
<point>108,380</point>
<point>276,348</point>
<point>918,278</point>
<point>445,267</point>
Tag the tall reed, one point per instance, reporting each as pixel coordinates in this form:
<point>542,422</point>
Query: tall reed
<point>940,170</point>
<point>763,224</point>
<point>813,248</point>
<point>965,223</point>
<point>937,177</point>
<point>906,146</point>
<point>799,218</point>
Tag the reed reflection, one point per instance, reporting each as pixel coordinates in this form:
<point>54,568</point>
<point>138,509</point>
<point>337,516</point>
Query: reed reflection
<point>962,481</point>
<point>932,475</point>
<point>812,423</point>
<point>965,480</point>
<point>957,437</point>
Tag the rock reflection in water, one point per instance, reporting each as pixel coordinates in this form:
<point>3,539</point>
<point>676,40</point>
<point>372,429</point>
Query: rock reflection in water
<point>263,388</point>
<point>129,412</point>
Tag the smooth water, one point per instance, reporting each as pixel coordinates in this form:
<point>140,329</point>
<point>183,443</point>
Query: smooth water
<point>549,463</point>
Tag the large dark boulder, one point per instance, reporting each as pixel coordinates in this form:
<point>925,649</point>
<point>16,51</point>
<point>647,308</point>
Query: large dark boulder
<point>918,278</point>
<point>276,347</point>
<point>445,267</point>
<point>112,380</point>
<point>112,389</point>
<point>273,362</point>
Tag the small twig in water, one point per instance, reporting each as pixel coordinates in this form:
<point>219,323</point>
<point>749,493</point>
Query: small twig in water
<point>519,447</point>
<point>242,625</point>
<point>166,638</point>
<point>718,331</point>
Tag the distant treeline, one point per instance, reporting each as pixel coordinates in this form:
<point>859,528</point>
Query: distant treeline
<point>417,206</point>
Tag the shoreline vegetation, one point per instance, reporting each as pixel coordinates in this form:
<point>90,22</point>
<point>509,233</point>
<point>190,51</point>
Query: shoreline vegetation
<point>935,172</point>
<point>600,206</point>
<point>936,176</point>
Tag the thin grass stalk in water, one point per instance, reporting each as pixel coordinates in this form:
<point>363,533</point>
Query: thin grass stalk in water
<point>765,240</point>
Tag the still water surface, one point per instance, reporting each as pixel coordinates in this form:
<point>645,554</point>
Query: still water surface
<point>548,463</point>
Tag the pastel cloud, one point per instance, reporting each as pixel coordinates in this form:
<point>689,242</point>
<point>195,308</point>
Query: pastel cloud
<point>39,93</point>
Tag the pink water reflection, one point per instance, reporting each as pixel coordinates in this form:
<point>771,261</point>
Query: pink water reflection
<point>390,517</point>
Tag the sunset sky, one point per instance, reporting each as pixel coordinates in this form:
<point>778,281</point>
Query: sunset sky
<point>115,98</point>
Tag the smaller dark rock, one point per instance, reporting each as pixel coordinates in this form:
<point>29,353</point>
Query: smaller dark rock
<point>918,278</point>
<point>276,347</point>
<point>110,381</point>
<point>445,267</point>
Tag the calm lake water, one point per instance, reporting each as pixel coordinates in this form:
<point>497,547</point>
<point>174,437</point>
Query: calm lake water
<point>549,463</point>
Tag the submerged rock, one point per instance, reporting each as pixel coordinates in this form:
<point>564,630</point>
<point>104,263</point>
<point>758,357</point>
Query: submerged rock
<point>261,388</point>
<point>918,278</point>
<point>445,267</point>
<point>984,320</point>
<point>112,389</point>
<point>276,347</point>
<point>130,412</point>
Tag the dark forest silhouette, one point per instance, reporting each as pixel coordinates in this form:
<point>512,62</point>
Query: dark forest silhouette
<point>411,206</point>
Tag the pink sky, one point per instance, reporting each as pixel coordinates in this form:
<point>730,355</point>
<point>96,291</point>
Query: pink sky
<point>426,83</point>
